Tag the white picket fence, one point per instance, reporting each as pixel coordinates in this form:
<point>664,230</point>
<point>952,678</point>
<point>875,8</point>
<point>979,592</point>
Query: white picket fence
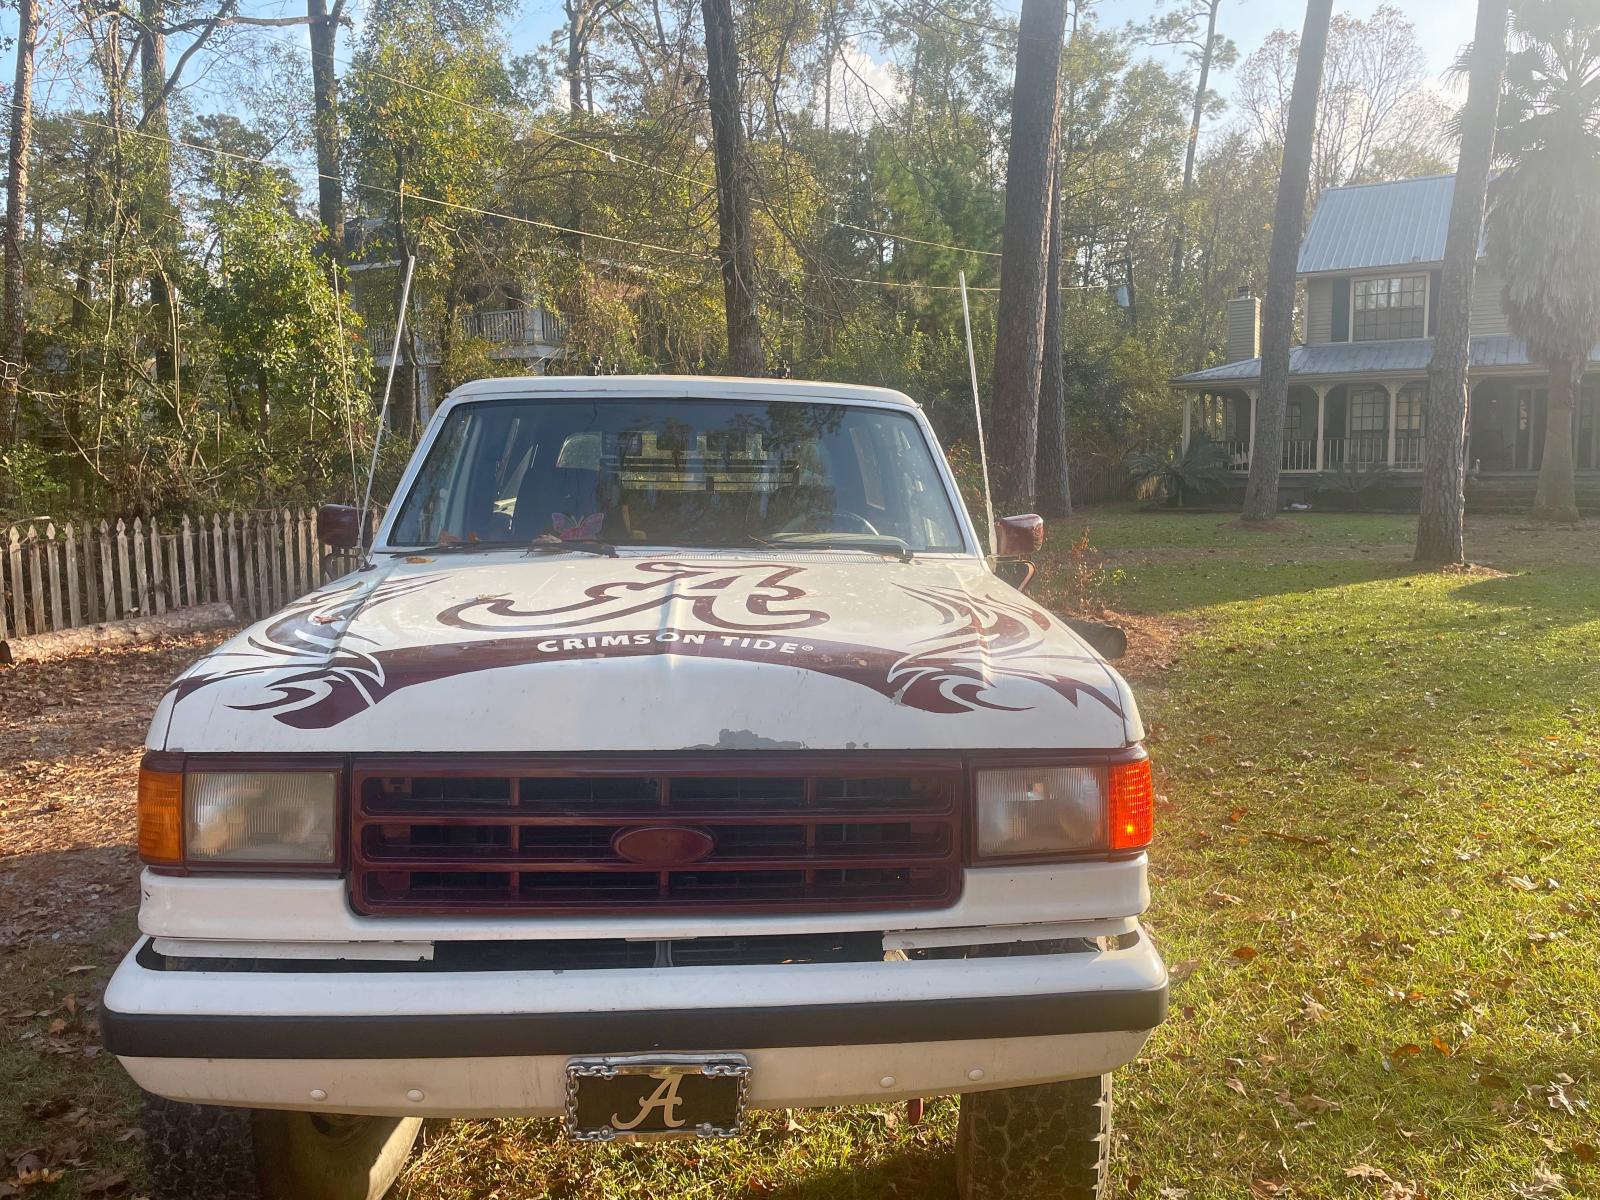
<point>62,576</point>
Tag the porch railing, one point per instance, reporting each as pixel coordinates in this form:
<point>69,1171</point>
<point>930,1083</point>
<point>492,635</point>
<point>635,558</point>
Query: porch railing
<point>1363,449</point>
<point>1299,454</point>
<point>1238,454</point>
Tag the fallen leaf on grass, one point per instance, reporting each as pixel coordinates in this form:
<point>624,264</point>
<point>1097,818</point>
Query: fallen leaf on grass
<point>105,1185</point>
<point>1179,971</point>
<point>1409,1050</point>
<point>1368,1171</point>
<point>1583,1151</point>
<point>1238,1086</point>
<point>1245,953</point>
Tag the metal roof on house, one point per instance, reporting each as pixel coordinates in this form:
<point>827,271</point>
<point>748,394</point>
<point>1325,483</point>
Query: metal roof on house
<point>1378,225</point>
<point>1409,357</point>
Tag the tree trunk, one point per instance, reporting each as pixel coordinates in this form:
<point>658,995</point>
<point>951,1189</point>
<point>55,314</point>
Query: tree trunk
<point>1055,494</point>
<point>12,325</point>
<point>735,251</point>
<point>1556,498</point>
<point>1019,323</point>
<point>157,221</point>
<point>1194,141</point>
<point>1261,493</point>
<point>324,31</point>
<point>1441,533</point>
<point>577,34</point>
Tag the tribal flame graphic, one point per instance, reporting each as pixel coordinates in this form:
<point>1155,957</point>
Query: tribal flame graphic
<point>323,673</point>
<point>982,638</point>
<point>312,634</point>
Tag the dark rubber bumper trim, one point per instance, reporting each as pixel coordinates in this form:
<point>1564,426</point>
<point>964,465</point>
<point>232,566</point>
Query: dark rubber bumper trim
<point>502,1035</point>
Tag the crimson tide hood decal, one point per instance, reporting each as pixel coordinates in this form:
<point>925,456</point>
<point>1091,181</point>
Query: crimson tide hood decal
<point>317,670</point>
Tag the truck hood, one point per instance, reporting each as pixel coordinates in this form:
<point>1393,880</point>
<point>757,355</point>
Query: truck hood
<point>709,650</point>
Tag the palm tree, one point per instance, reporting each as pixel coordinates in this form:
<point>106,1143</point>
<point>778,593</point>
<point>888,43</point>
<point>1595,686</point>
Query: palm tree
<point>1441,529</point>
<point>1261,491</point>
<point>1543,233</point>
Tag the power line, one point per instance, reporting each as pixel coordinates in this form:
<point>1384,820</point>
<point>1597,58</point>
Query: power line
<point>607,152</point>
<point>403,195</point>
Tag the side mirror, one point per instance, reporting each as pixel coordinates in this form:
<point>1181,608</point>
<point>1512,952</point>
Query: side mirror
<point>339,526</point>
<point>1019,536</point>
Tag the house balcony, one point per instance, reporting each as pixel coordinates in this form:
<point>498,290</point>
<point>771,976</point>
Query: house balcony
<point>533,334</point>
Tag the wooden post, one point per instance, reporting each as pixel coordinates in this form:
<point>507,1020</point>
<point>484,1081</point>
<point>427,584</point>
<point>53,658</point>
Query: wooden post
<point>219,579</point>
<point>1394,400</point>
<point>278,541</point>
<point>244,591</point>
<point>170,551</point>
<point>124,568</point>
<point>1254,395</point>
<point>266,590</point>
<point>140,574</point>
<point>52,565</point>
<point>91,596</point>
<point>19,608</point>
<point>157,585</point>
<point>35,579</point>
<point>191,594</point>
<point>1322,449</point>
<point>108,610</point>
<point>4,634</point>
<point>1188,420</point>
<point>74,604</point>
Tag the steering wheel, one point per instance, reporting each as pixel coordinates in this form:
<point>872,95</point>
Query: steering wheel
<point>841,520</point>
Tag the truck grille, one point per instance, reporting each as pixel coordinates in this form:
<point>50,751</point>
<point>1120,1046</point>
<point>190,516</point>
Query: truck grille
<point>536,840</point>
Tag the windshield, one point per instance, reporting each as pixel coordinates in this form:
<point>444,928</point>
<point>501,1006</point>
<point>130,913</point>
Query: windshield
<point>678,472</point>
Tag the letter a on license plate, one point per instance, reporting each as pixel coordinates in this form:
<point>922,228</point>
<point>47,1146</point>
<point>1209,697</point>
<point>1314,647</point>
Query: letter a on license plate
<point>656,1096</point>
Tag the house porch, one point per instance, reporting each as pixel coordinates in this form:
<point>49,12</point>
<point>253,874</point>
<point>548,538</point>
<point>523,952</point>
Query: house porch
<point>1332,425</point>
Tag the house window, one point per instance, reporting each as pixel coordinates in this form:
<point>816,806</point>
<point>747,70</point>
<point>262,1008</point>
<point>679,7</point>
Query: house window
<point>1391,307</point>
<point>1408,409</point>
<point>1369,411</point>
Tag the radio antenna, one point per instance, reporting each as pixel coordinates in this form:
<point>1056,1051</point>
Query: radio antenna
<point>977,416</point>
<point>388,386</point>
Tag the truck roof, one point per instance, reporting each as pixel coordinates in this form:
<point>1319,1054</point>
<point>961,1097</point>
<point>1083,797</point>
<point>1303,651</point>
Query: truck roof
<point>680,387</point>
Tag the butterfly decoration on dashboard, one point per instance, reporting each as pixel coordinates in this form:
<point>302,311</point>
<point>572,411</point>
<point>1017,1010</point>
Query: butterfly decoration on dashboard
<point>577,529</point>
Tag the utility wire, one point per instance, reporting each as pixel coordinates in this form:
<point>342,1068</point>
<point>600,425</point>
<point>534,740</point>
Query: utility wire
<point>308,168</point>
<point>611,154</point>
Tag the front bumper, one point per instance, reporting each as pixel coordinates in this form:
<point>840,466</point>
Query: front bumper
<point>488,1043</point>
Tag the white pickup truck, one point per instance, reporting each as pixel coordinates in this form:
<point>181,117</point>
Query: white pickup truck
<point>675,751</point>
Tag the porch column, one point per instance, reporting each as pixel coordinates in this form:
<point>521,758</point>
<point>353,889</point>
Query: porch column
<point>1188,407</point>
<point>1250,454</point>
<point>1322,398</point>
<point>1394,402</point>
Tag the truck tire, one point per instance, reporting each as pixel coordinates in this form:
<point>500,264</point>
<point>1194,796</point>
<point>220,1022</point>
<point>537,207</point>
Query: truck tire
<point>203,1152</point>
<point>1051,1140</point>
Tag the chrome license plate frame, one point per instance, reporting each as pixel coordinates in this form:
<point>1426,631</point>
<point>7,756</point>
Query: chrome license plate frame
<point>716,1085</point>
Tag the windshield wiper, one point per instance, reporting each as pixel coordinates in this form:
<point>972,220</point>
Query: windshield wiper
<point>465,546</point>
<point>578,545</point>
<point>891,546</point>
<point>470,546</point>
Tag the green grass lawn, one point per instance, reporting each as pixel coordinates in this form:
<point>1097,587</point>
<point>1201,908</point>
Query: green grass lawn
<point>1377,878</point>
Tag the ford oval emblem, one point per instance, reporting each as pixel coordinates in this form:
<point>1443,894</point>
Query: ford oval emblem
<point>663,845</point>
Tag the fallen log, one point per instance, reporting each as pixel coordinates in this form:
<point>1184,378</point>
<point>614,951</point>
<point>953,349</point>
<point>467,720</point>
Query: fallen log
<point>134,631</point>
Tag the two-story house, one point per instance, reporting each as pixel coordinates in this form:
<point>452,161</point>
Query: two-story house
<point>1370,266</point>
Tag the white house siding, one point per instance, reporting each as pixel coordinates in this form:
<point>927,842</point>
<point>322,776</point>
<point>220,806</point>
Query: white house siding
<point>1319,311</point>
<point>1488,317</point>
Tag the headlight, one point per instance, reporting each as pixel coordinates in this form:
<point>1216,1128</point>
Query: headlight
<point>260,816</point>
<point>1045,810</point>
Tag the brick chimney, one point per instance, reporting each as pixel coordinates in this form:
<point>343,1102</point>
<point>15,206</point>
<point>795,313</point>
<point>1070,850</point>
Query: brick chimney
<point>1244,326</point>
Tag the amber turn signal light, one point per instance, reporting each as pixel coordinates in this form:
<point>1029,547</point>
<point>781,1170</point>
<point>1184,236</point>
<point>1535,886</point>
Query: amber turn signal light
<point>1132,805</point>
<point>160,817</point>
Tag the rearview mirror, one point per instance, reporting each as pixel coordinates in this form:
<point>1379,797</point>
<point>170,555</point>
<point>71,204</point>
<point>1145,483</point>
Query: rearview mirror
<point>339,526</point>
<point>1019,536</point>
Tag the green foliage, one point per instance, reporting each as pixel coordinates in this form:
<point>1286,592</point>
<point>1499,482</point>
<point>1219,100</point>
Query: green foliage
<point>1201,471</point>
<point>1543,231</point>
